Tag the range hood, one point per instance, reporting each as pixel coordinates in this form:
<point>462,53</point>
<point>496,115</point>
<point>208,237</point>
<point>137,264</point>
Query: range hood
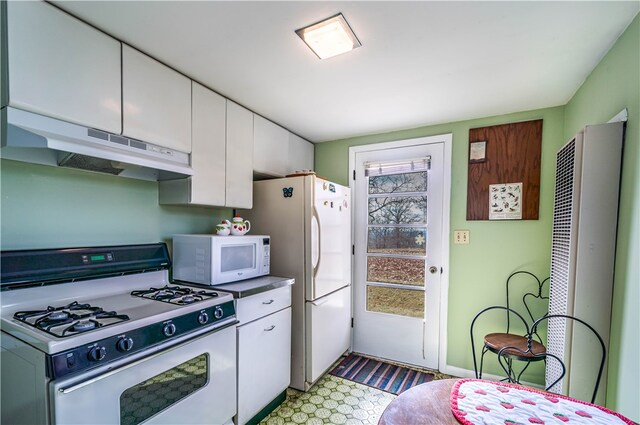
<point>34,138</point>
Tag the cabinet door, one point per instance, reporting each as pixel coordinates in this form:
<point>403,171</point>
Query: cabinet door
<point>156,102</point>
<point>270,149</point>
<point>264,362</point>
<point>208,148</point>
<point>239,181</point>
<point>61,67</point>
<point>300,154</point>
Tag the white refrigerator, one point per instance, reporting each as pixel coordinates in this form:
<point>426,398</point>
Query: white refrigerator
<point>309,221</point>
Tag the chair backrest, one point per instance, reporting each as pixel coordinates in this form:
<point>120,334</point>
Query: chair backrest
<point>529,297</point>
<point>503,352</point>
<point>482,312</point>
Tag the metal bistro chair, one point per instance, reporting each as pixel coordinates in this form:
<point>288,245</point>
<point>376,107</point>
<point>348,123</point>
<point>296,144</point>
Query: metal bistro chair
<point>528,350</point>
<point>506,353</point>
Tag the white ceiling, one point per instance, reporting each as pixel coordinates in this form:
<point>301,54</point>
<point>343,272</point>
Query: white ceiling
<point>420,63</point>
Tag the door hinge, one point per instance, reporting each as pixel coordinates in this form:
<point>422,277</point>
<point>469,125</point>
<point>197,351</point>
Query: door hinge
<point>352,322</point>
<point>353,250</point>
<point>354,174</point>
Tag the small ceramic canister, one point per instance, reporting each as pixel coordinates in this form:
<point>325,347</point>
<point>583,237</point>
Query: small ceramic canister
<point>224,228</point>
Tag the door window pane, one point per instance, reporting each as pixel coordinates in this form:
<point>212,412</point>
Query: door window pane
<point>401,271</point>
<point>398,210</point>
<point>140,402</point>
<point>403,302</point>
<point>397,240</point>
<point>398,183</point>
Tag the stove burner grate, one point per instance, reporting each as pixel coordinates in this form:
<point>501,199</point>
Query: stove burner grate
<point>82,317</point>
<point>175,294</point>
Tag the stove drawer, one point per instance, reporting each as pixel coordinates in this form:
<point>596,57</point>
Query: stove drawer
<point>260,305</point>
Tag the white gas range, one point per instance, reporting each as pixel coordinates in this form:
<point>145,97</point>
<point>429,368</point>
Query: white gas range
<point>101,336</point>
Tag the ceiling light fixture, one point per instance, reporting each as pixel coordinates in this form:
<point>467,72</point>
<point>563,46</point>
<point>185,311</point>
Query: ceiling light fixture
<point>330,37</point>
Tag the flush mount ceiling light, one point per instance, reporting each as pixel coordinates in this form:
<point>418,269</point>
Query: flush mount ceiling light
<point>330,37</point>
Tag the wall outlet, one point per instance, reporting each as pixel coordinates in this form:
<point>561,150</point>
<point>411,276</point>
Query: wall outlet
<point>461,237</point>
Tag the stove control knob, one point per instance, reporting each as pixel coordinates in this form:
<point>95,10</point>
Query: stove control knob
<point>203,318</point>
<point>97,353</point>
<point>218,313</point>
<point>169,329</point>
<point>124,344</point>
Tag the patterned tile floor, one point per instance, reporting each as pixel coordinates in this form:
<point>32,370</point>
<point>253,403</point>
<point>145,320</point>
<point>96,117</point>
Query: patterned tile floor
<point>333,400</point>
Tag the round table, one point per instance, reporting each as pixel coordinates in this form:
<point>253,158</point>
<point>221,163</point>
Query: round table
<point>424,404</point>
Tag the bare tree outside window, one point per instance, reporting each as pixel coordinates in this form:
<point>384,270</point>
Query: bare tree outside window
<point>397,235</point>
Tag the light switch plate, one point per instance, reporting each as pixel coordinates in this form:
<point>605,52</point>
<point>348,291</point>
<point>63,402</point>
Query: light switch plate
<point>461,237</point>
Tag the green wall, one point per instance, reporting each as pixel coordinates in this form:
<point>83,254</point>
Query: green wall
<point>612,86</point>
<point>477,271</point>
<point>48,207</point>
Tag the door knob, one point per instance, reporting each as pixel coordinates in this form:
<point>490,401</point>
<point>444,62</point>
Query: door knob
<point>433,269</point>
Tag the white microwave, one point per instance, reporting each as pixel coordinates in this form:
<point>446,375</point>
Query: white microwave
<point>214,260</point>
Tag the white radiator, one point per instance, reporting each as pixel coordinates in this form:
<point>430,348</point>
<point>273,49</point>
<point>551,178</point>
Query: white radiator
<point>582,257</point>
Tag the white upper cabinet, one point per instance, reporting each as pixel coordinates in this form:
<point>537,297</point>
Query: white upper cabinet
<point>239,181</point>
<point>208,154</point>
<point>61,67</point>
<point>156,102</point>
<point>208,147</point>
<point>301,154</point>
<point>270,150</point>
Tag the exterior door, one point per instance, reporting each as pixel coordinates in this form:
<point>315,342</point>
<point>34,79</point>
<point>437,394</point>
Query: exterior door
<point>398,231</point>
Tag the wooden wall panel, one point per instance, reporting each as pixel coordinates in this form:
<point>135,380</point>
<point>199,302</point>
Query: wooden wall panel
<point>512,155</point>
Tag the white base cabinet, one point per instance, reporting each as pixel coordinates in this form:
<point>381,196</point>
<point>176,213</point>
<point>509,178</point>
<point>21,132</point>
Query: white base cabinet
<point>264,351</point>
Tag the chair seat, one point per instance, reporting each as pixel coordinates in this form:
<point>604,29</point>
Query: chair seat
<point>496,341</point>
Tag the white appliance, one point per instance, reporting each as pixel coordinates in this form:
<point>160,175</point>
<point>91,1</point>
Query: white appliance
<point>99,336</point>
<point>214,260</point>
<point>309,221</point>
<point>583,254</point>
<point>30,137</point>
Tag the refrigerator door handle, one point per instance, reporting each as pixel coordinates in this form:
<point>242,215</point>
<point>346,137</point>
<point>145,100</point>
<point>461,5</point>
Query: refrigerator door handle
<point>318,240</point>
<point>320,301</point>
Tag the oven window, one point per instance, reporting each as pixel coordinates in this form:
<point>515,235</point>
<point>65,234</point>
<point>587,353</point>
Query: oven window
<point>238,257</point>
<point>140,402</point>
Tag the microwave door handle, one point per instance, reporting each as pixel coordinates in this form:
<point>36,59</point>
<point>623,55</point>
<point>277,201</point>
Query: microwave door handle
<point>318,240</point>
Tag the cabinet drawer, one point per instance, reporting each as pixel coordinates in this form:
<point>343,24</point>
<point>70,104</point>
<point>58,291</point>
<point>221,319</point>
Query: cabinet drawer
<point>259,305</point>
<point>264,362</point>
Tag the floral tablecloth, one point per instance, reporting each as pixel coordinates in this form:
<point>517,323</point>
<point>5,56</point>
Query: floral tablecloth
<point>476,402</point>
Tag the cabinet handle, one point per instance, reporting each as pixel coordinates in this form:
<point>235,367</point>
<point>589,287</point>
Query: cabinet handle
<point>267,302</point>
<point>270,328</point>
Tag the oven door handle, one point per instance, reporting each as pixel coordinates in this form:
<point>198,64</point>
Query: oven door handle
<point>104,375</point>
<point>133,364</point>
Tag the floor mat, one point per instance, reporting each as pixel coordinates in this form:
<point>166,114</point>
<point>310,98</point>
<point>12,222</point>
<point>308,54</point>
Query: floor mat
<point>377,374</point>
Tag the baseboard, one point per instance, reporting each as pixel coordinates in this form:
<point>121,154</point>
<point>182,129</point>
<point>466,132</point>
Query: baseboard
<point>466,373</point>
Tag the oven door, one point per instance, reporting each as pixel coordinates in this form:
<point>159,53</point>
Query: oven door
<point>191,383</point>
